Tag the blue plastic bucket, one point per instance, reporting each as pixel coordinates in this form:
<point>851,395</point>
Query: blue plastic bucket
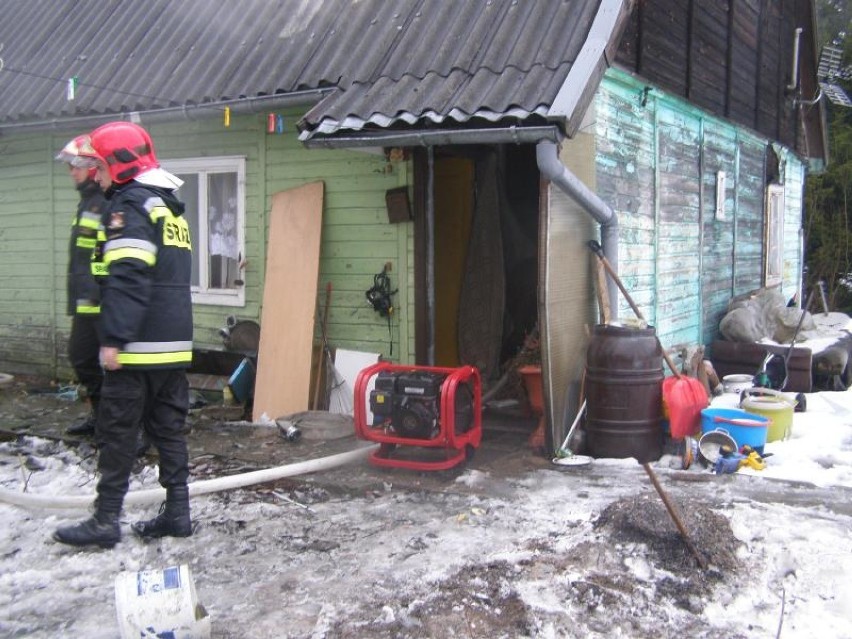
<point>747,429</point>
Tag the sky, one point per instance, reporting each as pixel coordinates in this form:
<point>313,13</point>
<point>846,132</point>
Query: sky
<point>336,554</point>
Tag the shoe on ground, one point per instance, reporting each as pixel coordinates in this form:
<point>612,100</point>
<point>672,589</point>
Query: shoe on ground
<point>104,532</point>
<point>166,524</point>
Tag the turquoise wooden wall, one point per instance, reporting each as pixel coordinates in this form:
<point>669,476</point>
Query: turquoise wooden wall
<point>37,202</point>
<point>657,164</point>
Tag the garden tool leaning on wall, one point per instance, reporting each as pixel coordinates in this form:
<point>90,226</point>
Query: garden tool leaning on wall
<point>670,507</point>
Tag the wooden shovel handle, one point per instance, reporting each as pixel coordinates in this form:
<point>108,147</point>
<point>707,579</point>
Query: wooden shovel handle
<point>323,345</point>
<point>673,513</point>
<point>597,250</point>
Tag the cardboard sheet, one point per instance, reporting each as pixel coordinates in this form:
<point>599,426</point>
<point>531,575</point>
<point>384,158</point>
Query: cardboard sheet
<point>283,379</point>
<point>347,365</point>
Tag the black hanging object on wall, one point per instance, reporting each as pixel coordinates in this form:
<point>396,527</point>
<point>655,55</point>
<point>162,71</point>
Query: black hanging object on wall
<point>380,298</point>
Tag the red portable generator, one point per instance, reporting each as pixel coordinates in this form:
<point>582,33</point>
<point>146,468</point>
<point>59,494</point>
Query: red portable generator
<point>419,406</point>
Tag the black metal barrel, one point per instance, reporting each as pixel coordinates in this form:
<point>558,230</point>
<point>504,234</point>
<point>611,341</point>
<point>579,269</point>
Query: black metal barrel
<point>624,386</point>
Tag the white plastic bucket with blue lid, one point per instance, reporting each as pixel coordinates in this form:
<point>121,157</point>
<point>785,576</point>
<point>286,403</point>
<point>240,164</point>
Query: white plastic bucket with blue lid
<point>160,603</point>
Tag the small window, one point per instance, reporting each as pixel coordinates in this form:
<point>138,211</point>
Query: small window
<point>214,194</point>
<point>774,268</point>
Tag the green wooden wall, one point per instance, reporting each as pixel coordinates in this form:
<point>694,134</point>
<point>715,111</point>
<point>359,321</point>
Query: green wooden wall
<point>37,201</point>
<point>33,253</point>
<point>657,162</point>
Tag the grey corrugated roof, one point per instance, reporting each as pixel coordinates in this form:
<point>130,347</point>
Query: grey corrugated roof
<point>395,62</point>
<point>478,60</point>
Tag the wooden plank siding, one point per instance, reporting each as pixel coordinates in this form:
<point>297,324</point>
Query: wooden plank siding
<point>678,197</point>
<point>37,201</point>
<point>357,242</point>
<point>709,42</point>
<point>719,153</point>
<point>731,58</point>
<point>657,166</point>
<point>749,215</point>
<point>666,32</point>
<point>744,48</point>
<point>625,166</point>
<point>769,89</point>
<point>33,252</point>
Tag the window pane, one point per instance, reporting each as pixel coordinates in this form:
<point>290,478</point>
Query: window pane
<point>188,194</point>
<point>213,194</point>
<point>222,220</point>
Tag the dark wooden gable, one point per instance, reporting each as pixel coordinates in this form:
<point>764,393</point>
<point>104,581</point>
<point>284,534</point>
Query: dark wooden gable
<point>732,58</point>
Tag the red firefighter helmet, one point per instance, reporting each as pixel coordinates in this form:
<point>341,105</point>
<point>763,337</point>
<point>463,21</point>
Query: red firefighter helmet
<point>125,147</point>
<point>71,154</point>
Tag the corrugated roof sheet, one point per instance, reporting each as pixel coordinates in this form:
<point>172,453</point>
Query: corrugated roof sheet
<point>396,62</point>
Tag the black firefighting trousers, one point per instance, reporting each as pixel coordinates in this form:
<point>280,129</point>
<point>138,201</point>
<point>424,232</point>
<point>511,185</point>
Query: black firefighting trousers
<point>154,400</point>
<point>83,354</point>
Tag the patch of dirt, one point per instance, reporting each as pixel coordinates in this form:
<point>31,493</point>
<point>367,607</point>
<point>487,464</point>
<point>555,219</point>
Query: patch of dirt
<point>635,578</point>
<point>643,519</point>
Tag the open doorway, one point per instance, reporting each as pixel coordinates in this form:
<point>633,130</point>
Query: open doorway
<point>485,256</point>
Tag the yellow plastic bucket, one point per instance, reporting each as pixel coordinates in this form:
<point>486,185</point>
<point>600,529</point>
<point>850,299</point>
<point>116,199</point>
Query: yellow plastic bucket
<point>773,405</point>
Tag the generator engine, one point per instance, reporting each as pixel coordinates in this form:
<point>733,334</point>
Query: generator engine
<point>422,417</point>
<point>409,402</point>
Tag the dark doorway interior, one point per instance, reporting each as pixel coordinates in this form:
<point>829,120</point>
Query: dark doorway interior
<point>519,222</point>
<point>486,267</point>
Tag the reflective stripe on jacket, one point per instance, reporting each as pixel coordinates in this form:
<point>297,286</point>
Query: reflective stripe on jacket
<point>146,307</point>
<point>82,288</point>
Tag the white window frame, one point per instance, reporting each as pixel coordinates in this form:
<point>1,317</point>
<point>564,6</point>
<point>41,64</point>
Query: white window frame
<point>774,236</point>
<point>202,167</point>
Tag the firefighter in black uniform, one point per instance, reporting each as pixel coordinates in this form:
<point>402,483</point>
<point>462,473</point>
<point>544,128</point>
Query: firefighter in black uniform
<point>83,291</point>
<point>146,334</point>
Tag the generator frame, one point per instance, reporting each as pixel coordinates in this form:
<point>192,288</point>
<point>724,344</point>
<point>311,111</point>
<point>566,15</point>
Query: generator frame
<point>458,447</point>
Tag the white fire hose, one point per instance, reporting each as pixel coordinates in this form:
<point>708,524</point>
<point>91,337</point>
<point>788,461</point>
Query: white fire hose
<point>154,495</point>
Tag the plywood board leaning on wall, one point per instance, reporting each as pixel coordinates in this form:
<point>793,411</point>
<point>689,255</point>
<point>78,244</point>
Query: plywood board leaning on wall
<point>289,299</point>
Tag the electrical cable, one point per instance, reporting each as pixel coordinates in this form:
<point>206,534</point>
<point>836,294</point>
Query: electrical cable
<point>78,83</point>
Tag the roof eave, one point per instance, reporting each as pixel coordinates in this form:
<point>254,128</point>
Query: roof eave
<point>595,57</point>
<point>436,137</point>
<point>206,110</point>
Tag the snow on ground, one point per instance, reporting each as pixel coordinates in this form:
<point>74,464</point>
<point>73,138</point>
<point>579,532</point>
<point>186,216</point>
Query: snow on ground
<point>483,556</point>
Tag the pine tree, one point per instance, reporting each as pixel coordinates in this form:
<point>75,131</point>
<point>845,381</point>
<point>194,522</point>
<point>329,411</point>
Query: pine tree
<point>828,201</point>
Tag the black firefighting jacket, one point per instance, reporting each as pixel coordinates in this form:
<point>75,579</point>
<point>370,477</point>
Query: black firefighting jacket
<point>146,306</point>
<point>83,291</point>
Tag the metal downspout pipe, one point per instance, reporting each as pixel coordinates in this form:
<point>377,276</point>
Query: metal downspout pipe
<point>547,157</point>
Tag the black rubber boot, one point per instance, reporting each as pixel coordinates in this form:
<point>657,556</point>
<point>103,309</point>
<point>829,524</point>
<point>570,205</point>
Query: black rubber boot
<point>84,427</point>
<point>102,529</point>
<point>173,520</point>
